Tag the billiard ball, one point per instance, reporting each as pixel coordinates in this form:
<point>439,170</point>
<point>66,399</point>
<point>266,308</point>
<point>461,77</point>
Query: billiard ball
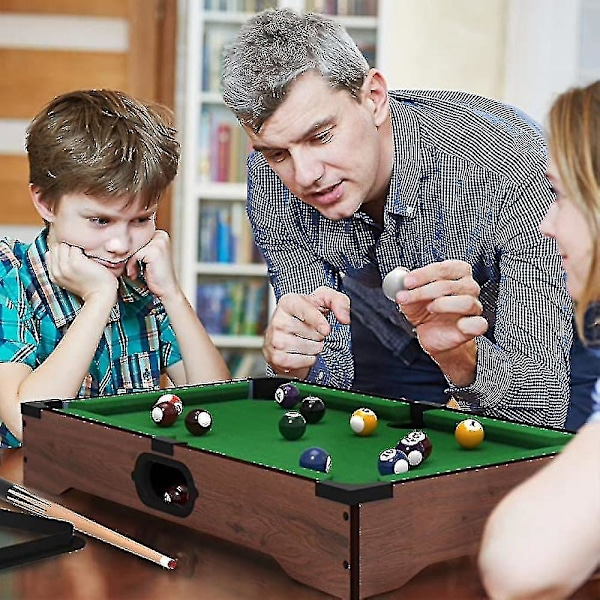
<point>176,494</point>
<point>312,409</point>
<point>419,436</point>
<point>413,447</point>
<point>198,421</point>
<point>173,399</point>
<point>287,395</point>
<point>292,425</point>
<point>363,421</point>
<point>469,433</point>
<point>316,459</point>
<point>164,414</point>
<point>393,282</point>
<point>392,462</point>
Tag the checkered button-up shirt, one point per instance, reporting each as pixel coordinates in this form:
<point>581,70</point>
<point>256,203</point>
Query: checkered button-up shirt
<point>137,344</point>
<point>468,183</point>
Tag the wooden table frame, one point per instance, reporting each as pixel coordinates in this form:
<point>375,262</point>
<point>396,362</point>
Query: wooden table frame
<point>348,541</point>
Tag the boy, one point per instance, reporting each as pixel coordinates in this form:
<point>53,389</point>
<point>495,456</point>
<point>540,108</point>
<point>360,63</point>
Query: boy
<point>92,307</point>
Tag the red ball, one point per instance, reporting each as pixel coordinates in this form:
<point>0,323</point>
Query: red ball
<point>164,414</point>
<point>173,399</point>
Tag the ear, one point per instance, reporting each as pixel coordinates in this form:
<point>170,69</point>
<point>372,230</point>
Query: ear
<point>45,210</point>
<point>376,92</point>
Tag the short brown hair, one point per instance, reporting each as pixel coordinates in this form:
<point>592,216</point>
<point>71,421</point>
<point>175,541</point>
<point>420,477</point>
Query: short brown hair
<point>103,143</point>
<point>574,141</point>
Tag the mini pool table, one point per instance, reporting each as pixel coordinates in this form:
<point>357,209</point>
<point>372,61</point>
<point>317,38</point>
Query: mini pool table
<point>350,532</point>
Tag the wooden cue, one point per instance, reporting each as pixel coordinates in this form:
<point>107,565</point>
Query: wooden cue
<point>23,498</point>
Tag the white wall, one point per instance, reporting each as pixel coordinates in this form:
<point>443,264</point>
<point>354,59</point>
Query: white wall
<point>454,44</point>
<point>522,51</point>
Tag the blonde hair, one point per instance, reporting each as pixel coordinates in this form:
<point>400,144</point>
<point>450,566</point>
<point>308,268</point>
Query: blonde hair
<point>574,141</point>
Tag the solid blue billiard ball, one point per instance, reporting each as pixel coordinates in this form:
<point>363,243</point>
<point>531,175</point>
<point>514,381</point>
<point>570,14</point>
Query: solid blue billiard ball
<point>316,459</point>
<point>392,462</point>
<point>287,395</point>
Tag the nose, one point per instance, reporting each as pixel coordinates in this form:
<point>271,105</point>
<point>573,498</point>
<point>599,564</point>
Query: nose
<point>119,241</point>
<point>547,224</point>
<point>308,168</point>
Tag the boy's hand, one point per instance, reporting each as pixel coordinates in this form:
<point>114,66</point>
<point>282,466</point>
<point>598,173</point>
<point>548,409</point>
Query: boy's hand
<point>70,269</point>
<point>157,261</point>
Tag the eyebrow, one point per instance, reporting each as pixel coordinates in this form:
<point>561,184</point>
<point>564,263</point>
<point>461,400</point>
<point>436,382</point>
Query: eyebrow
<point>310,131</point>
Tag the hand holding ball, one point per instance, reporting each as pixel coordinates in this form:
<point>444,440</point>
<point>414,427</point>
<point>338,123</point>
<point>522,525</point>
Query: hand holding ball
<point>393,282</point>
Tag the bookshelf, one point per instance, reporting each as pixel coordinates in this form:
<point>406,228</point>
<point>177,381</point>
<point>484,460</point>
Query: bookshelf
<point>221,271</point>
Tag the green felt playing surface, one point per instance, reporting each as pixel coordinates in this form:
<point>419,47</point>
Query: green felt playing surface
<point>246,428</point>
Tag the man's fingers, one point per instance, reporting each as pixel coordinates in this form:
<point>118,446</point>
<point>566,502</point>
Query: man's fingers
<point>472,326</point>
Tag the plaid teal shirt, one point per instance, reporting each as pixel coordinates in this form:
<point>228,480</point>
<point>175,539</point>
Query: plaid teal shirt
<point>137,345</point>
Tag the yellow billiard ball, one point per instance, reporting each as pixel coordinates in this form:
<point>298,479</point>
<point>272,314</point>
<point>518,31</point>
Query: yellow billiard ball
<point>469,433</point>
<point>363,421</point>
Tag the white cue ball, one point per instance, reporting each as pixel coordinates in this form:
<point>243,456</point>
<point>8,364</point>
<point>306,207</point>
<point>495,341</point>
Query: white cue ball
<point>393,282</point>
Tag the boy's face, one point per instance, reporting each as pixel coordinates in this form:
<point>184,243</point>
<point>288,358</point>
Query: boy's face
<point>108,231</point>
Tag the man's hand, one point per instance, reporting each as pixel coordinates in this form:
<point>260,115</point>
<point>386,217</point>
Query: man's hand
<point>441,300</point>
<point>72,270</point>
<point>298,328</point>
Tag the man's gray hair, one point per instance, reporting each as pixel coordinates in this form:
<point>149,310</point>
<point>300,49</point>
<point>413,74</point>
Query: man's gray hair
<point>275,47</point>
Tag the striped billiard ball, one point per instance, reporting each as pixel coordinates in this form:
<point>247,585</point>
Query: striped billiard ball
<point>173,399</point>
<point>392,462</point>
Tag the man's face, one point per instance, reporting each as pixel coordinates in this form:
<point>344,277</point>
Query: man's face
<point>108,231</point>
<point>325,146</point>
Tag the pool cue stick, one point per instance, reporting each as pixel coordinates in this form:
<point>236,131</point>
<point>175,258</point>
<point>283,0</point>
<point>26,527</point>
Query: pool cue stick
<point>23,498</point>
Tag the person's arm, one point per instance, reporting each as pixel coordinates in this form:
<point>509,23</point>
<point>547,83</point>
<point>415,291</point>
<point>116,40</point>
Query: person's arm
<point>61,374</point>
<point>441,301</point>
<point>317,349</point>
<point>522,369</point>
<point>524,373</point>
<point>543,538</point>
<point>201,360</point>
